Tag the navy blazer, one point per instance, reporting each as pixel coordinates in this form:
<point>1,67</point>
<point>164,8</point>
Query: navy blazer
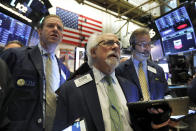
<point>80,102</point>
<point>158,86</point>
<point>26,67</point>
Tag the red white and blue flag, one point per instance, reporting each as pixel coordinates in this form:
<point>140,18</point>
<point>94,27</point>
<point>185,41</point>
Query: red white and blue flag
<point>77,28</point>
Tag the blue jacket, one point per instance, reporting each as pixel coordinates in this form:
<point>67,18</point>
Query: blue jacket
<point>26,67</point>
<point>158,87</point>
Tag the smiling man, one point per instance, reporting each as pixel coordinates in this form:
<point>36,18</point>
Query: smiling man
<point>37,74</point>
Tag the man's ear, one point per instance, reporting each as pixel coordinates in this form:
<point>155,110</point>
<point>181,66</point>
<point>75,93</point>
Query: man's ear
<point>93,52</point>
<point>39,32</point>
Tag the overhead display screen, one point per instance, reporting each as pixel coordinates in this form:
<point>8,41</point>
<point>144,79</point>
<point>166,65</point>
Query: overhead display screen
<point>12,29</point>
<point>177,32</point>
<point>32,9</point>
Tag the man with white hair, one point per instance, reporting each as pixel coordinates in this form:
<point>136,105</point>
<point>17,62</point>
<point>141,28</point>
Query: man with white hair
<point>87,97</point>
<point>97,96</point>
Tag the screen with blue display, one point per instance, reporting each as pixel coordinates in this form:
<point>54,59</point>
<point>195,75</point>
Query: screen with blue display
<point>32,9</point>
<point>12,29</point>
<point>177,32</point>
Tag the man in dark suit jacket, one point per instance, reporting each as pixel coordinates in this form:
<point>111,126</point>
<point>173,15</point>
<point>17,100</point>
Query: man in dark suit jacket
<point>141,46</point>
<point>87,97</point>
<point>158,87</point>
<point>156,83</point>
<point>28,67</point>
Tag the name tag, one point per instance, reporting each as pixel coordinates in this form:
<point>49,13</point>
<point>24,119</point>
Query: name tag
<point>152,69</point>
<point>83,80</point>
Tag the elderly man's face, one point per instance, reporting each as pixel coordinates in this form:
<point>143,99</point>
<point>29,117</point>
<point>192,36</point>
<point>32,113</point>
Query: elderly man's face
<point>107,52</point>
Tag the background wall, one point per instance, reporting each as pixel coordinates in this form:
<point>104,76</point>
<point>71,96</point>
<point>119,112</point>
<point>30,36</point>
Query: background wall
<point>110,23</point>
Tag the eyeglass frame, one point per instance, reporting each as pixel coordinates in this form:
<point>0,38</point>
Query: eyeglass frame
<point>144,44</point>
<point>104,43</point>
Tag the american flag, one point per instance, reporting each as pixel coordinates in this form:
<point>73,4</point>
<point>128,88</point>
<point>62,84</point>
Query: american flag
<point>77,28</point>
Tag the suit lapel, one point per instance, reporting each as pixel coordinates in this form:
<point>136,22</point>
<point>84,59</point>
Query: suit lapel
<point>36,58</point>
<point>92,100</point>
<point>150,75</point>
<point>130,71</point>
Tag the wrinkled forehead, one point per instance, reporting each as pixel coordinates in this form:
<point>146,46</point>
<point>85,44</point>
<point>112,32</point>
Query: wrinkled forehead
<point>107,36</point>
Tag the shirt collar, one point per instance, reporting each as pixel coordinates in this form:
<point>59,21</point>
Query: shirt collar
<point>44,51</point>
<point>136,62</point>
<point>99,76</point>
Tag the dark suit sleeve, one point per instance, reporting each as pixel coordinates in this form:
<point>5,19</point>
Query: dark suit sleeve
<point>6,94</point>
<point>118,71</point>
<point>61,121</point>
<point>10,58</point>
<point>69,106</point>
<point>164,81</point>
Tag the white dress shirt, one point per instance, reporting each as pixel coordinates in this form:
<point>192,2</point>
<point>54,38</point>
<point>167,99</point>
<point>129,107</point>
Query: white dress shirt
<point>101,85</point>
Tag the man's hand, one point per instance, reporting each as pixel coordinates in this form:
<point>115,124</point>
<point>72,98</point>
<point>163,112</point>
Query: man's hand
<point>160,118</point>
<point>157,126</point>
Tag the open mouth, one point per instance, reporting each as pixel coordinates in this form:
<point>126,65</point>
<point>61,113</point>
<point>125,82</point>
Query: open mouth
<point>113,55</point>
<point>54,35</point>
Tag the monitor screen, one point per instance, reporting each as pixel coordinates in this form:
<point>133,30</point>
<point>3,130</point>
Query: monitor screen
<point>179,69</point>
<point>157,51</point>
<point>12,29</point>
<point>34,39</point>
<point>32,9</point>
<point>176,31</point>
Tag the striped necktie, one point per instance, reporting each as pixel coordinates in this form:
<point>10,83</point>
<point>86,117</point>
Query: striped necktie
<point>50,95</point>
<point>114,107</point>
<point>143,82</point>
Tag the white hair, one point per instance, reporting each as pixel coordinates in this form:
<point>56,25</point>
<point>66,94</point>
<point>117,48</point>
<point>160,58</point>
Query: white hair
<point>92,42</point>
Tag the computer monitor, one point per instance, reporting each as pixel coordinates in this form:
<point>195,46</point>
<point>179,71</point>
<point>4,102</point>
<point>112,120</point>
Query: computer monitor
<point>157,51</point>
<point>179,69</point>
<point>34,39</point>
<point>34,10</point>
<point>176,31</point>
<point>13,29</point>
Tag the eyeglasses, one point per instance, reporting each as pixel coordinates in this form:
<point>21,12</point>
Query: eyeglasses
<point>144,44</point>
<point>110,43</point>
